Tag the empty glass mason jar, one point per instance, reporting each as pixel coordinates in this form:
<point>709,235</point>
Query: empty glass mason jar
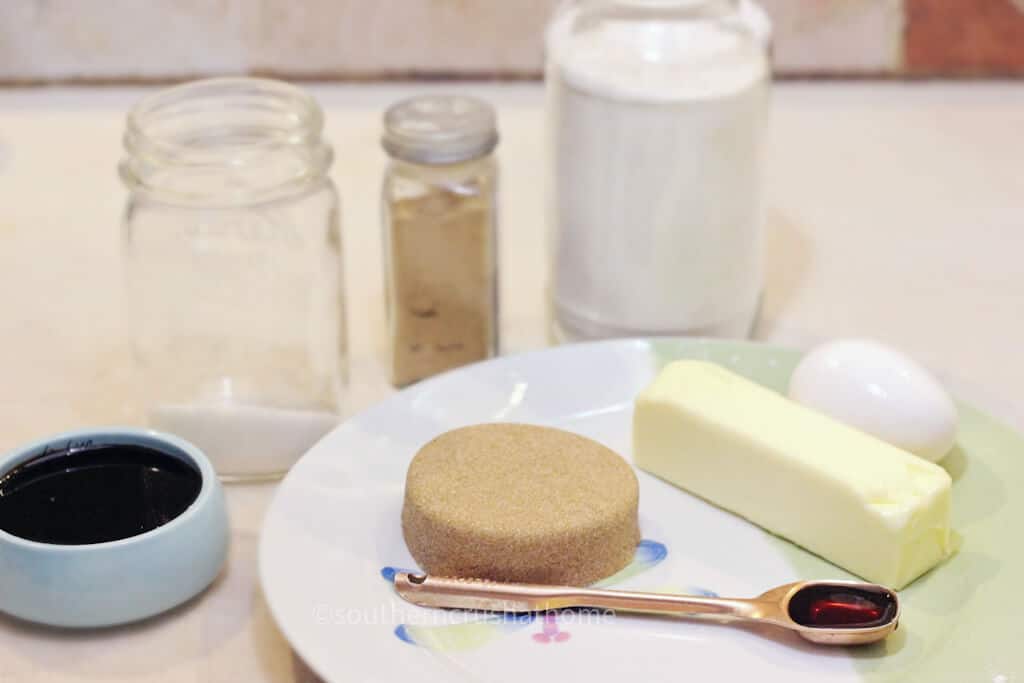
<point>657,112</point>
<point>233,264</point>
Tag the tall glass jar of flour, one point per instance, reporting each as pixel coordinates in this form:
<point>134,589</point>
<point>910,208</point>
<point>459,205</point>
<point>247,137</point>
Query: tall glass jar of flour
<point>232,250</point>
<point>657,113</point>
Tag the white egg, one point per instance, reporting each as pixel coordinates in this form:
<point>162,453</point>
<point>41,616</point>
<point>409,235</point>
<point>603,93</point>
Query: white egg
<point>880,391</point>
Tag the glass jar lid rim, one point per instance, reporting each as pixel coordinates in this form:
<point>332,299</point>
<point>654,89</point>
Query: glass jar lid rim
<point>299,118</point>
<point>440,129</point>
<point>268,130</point>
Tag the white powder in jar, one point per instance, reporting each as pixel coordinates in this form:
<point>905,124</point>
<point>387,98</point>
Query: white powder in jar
<point>245,442</point>
<point>656,194</point>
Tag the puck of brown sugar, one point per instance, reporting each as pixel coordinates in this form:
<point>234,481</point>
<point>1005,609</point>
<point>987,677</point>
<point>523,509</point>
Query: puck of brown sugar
<point>515,502</point>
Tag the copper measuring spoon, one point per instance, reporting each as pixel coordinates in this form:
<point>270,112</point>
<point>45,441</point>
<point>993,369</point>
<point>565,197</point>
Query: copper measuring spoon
<point>827,612</point>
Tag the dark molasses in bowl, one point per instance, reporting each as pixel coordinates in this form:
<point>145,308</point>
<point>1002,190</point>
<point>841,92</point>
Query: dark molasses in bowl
<point>107,526</point>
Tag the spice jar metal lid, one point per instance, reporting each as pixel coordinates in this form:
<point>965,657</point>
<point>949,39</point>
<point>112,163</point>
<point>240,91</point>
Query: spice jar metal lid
<point>440,129</point>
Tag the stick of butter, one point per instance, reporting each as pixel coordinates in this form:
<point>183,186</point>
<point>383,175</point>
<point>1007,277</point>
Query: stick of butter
<point>871,508</point>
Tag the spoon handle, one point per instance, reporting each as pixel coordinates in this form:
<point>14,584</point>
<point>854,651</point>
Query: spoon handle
<point>476,594</point>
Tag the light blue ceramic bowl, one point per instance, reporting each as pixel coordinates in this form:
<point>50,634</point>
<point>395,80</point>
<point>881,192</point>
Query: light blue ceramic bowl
<point>103,584</point>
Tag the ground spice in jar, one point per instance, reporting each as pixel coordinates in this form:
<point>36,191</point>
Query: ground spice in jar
<point>442,273</point>
<point>439,227</point>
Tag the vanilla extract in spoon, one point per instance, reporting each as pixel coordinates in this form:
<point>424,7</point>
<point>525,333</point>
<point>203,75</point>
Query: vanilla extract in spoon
<point>839,606</point>
<point>825,612</point>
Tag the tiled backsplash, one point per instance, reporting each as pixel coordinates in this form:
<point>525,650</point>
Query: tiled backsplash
<point>110,40</point>
<point>964,36</point>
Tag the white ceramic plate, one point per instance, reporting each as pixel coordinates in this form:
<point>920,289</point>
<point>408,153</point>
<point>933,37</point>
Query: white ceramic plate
<point>332,537</point>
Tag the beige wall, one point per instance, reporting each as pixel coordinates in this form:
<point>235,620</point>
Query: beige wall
<point>101,40</point>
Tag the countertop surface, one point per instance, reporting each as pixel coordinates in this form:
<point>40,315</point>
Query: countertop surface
<point>896,211</point>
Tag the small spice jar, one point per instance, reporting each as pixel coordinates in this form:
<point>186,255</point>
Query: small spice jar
<point>232,250</point>
<point>440,220</point>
